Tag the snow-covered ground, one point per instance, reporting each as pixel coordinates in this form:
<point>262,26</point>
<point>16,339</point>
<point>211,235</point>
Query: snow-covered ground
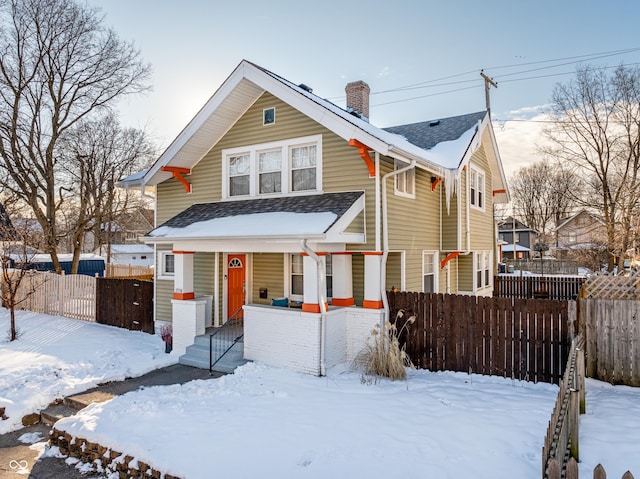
<point>55,357</point>
<point>269,422</point>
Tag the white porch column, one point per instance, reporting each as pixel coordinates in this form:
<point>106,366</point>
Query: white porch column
<point>311,302</point>
<point>342,279</point>
<point>188,322</point>
<point>372,268</point>
<point>183,275</point>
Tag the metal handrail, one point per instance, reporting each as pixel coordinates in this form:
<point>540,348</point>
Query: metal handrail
<point>232,322</point>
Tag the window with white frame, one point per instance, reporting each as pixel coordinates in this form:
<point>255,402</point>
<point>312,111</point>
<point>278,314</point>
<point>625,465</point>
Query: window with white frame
<point>476,188</point>
<point>282,167</point>
<point>429,272</point>
<point>167,264</point>
<point>405,184</point>
<point>296,269</point>
<point>483,269</point>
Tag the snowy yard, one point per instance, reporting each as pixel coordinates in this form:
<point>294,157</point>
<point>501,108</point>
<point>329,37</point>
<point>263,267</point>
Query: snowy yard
<point>56,357</point>
<point>264,422</point>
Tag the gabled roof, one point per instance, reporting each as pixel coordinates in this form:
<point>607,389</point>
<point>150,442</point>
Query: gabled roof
<point>283,217</point>
<point>249,81</point>
<point>506,225</point>
<point>428,134</point>
<point>568,220</point>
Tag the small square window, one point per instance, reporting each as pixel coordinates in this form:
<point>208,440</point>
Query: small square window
<point>268,116</point>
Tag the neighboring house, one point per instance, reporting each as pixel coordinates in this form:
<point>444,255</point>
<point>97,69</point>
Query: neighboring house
<point>88,264</point>
<point>525,239</point>
<point>272,192</point>
<point>135,254</point>
<point>581,231</point>
<point>128,227</point>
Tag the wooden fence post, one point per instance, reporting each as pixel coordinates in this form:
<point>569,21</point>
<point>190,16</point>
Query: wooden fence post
<point>599,472</point>
<point>574,412</point>
<point>572,469</point>
<point>555,471</point>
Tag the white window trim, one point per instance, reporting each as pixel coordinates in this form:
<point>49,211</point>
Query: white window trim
<point>435,256</point>
<point>288,271</point>
<point>162,273</point>
<point>264,115</point>
<point>485,264</point>
<point>285,146</point>
<point>397,165</point>
<point>478,172</point>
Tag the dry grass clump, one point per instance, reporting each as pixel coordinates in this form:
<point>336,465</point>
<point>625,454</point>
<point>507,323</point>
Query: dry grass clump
<point>382,356</point>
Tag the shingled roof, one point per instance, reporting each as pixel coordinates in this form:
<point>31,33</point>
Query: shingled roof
<point>336,203</point>
<point>428,134</point>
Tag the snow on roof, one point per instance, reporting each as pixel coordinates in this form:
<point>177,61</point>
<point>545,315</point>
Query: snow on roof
<point>63,257</point>
<point>253,225</point>
<point>508,248</point>
<point>129,248</point>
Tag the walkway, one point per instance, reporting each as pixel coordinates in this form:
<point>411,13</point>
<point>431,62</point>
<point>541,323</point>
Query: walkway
<point>19,459</point>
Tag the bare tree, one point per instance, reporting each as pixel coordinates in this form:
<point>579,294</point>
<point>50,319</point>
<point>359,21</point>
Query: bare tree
<point>14,262</point>
<point>59,66</point>
<point>97,154</point>
<point>597,129</point>
<point>543,194</point>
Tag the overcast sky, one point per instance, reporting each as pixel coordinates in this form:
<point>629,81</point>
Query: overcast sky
<point>421,58</point>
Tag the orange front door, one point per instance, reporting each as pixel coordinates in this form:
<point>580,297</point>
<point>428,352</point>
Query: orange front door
<point>235,285</point>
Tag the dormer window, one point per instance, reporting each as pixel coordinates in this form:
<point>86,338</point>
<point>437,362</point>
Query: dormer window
<point>282,167</point>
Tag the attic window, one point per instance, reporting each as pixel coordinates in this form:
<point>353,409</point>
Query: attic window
<point>269,116</point>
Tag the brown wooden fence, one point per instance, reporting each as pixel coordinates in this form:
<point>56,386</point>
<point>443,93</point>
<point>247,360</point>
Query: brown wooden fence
<point>128,271</point>
<point>523,339</point>
<point>542,287</point>
<point>611,329</point>
<point>126,303</point>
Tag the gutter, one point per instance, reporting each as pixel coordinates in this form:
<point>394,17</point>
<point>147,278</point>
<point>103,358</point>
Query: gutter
<point>385,234</point>
<point>322,300</point>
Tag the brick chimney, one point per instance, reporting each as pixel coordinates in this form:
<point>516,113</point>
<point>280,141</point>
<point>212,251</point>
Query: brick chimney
<point>358,97</point>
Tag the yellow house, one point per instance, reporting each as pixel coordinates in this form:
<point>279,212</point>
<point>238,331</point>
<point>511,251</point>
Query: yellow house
<point>280,207</point>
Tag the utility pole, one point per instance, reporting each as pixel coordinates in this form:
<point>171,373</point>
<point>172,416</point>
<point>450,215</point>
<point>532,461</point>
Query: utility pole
<point>488,83</point>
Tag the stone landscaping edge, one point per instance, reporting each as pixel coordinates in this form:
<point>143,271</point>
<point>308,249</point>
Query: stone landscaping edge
<point>99,456</point>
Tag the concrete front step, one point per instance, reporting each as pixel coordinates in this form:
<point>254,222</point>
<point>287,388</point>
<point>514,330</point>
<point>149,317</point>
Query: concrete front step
<point>55,412</point>
<point>82,400</point>
<point>198,356</point>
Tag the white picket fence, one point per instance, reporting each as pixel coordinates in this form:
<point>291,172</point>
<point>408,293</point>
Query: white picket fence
<point>71,296</point>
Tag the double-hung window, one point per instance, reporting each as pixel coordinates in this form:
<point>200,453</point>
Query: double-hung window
<point>429,271</point>
<point>296,268</point>
<point>167,265</point>
<point>270,171</point>
<point>281,167</point>
<point>405,184</point>
<point>239,175</point>
<point>483,269</point>
<point>476,188</point>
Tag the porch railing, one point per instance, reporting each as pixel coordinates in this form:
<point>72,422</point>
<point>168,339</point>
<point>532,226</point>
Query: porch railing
<point>224,338</point>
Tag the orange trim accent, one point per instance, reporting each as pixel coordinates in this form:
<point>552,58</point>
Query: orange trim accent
<point>364,150</point>
<point>312,307</point>
<point>184,296</point>
<point>372,253</point>
<point>435,184</point>
<point>449,257</point>
<point>343,301</point>
<point>318,253</point>
<point>497,192</point>
<point>177,174</point>
<point>183,252</point>
<point>371,304</point>
<point>342,252</point>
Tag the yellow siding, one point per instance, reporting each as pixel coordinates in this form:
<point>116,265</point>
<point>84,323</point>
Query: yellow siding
<point>450,229</point>
<point>482,222</point>
<point>268,272</point>
<point>465,273</point>
<point>357,267</point>
<point>394,271</point>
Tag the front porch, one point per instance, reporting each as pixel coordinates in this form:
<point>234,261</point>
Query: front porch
<point>285,337</point>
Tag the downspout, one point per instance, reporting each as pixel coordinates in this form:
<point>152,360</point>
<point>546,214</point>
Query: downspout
<point>385,234</point>
<point>377,185</point>
<point>321,299</point>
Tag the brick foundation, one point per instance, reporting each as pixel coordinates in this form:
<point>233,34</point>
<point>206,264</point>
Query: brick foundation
<point>108,459</point>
